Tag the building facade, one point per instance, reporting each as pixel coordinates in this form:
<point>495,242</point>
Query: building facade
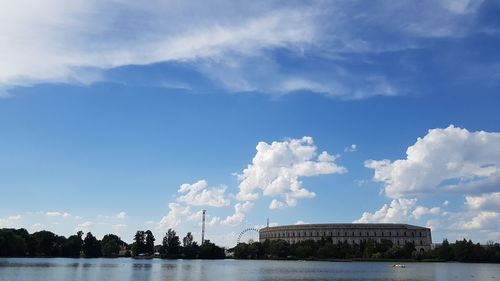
<point>398,234</point>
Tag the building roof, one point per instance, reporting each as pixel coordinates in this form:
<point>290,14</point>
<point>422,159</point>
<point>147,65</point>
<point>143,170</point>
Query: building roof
<point>345,226</point>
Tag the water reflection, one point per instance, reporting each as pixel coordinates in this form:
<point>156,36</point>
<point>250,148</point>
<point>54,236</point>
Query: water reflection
<point>130,269</point>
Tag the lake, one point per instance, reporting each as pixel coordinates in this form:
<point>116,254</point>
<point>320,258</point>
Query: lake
<point>59,269</point>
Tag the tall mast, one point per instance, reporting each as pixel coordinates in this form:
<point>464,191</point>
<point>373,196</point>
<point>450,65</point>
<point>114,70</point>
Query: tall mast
<point>203,228</point>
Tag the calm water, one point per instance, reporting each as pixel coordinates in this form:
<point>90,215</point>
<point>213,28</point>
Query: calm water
<point>12,269</point>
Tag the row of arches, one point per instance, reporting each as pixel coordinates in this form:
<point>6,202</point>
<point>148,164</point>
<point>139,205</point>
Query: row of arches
<point>343,233</point>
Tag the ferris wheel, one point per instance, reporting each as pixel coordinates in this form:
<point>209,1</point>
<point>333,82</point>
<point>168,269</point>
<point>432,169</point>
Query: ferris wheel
<point>246,232</point>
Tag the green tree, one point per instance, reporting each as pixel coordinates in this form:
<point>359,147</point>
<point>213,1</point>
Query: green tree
<point>187,240</point>
<point>139,246</point>
<point>150,243</point>
<point>110,245</point>
<point>171,244</point>
<point>43,243</point>
<point>190,247</point>
<point>12,244</point>
<point>73,245</point>
<point>445,252</point>
<point>91,246</point>
<point>211,251</point>
<point>279,248</point>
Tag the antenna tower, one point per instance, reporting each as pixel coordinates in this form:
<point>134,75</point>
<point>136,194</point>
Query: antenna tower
<point>203,228</point>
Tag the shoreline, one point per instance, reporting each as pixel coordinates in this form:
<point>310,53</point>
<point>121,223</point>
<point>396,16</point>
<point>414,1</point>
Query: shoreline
<point>278,259</point>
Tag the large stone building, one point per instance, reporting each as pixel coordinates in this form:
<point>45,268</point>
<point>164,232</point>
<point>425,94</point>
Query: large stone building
<point>398,234</point>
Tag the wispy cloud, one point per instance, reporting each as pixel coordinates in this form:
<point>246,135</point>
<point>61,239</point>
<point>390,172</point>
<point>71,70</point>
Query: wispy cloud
<point>238,45</point>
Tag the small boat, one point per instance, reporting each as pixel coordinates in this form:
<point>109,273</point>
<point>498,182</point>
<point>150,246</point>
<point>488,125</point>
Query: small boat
<point>399,266</point>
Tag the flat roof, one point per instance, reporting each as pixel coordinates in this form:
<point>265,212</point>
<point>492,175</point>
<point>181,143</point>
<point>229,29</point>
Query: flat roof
<point>345,225</point>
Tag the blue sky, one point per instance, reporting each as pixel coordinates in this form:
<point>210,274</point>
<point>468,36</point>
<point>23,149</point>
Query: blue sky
<point>116,116</point>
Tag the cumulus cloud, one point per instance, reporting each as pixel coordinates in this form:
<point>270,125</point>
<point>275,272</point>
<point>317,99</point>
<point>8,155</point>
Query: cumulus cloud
<point>421,211</point>
<point>482,220</point>
<point>276,170</point>
<point>240,211</point>
<point>488,201</point>
<point>174,216</point>
<point>275,204</point>
<point>239,215</point>
<point>198,194</point>
<point>447,159</point>
<point>398,211</point>
<point>446,163</point>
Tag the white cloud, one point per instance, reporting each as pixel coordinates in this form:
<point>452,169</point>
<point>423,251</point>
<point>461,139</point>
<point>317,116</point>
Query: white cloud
<point>450,159</point>
<point>434,225</point>
<point>482,220</point>
<point>38,226</point>
<point>488,201</point>
<point>398,211</point>
<point>351,148</point>
<point>446,203</point>
<point>239,215</point>
<point>276,170</point>
<point>300,222</point>
<point>58,214</point>
<point>62,41</point>
<point>119,226</point>
<point>121,215</point>
<point>421,211</point>
<point>76,41</point>
<point>9,221</point>
<point>174,216</point>
<point>199,194</point>
<point>240,211</point>
<point>84,226</point>
<point>275,204</point>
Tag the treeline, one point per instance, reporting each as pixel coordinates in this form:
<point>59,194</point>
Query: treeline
<point>462,251</point>
<point>467,251</point>
<point>20,243</point>
<point>173,248</point>
<point>322,249</point>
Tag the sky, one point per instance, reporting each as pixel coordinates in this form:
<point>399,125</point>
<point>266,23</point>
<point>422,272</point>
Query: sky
<point>116,116</point>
